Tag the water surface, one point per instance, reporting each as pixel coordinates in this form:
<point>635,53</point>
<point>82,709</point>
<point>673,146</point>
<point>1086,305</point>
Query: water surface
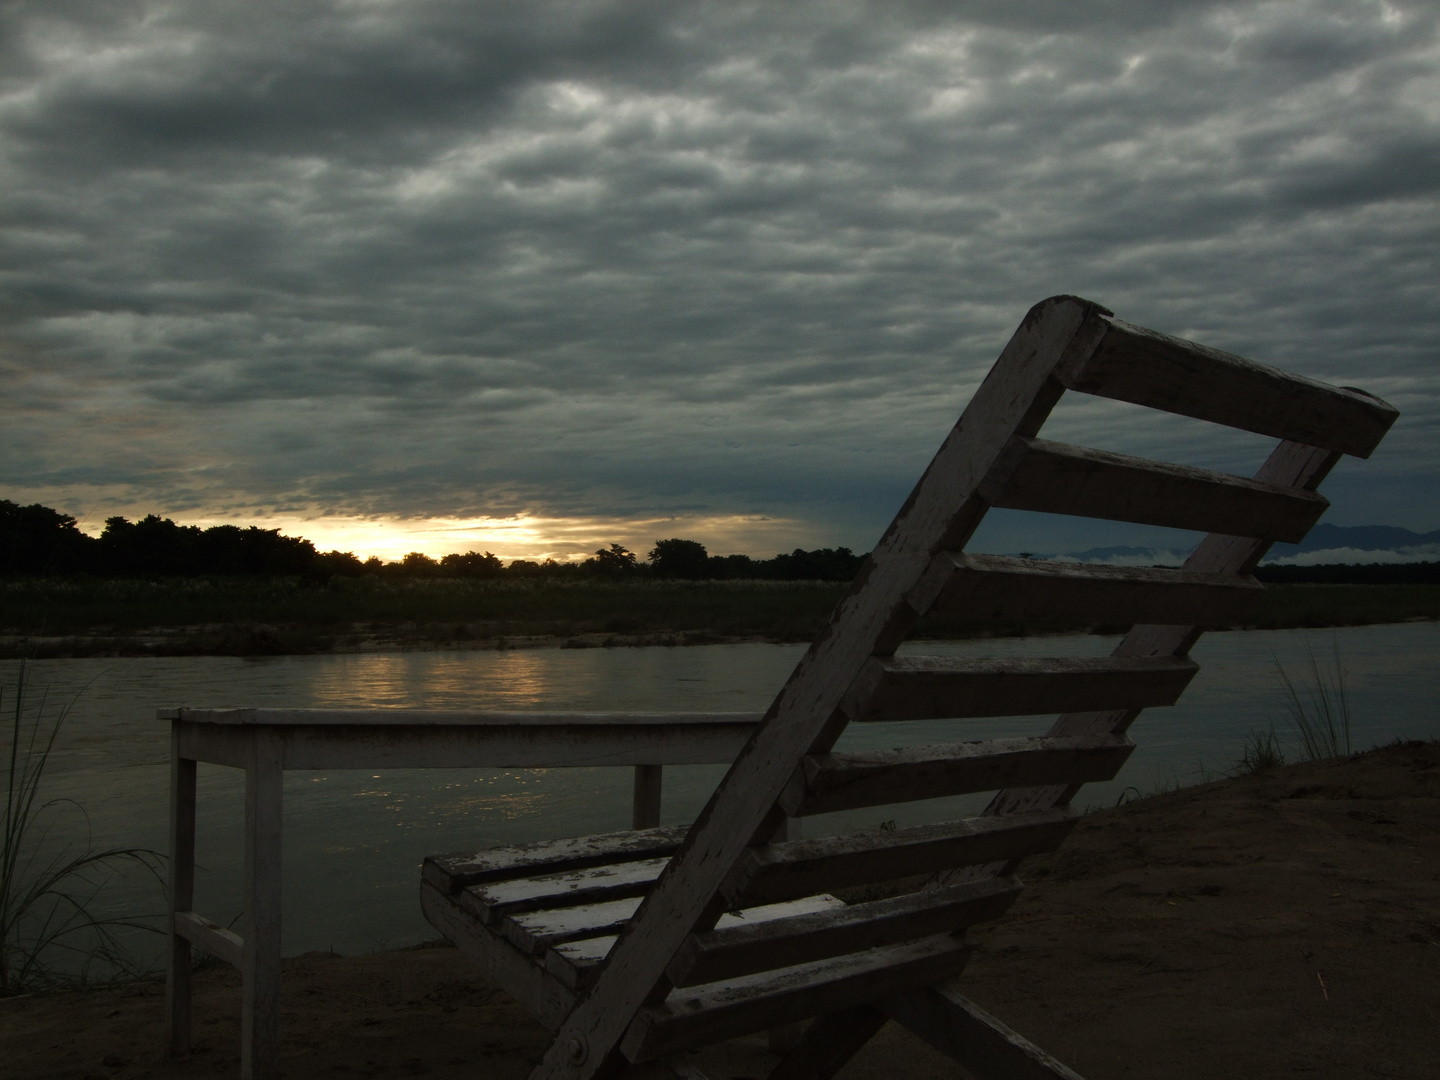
<point>354,840</point>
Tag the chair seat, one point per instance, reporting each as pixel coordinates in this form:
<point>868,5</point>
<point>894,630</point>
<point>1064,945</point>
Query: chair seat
<point>537,920</point>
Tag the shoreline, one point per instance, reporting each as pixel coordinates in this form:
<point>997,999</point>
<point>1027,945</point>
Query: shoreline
<point>260,640</point>
<point>1261,925</point>
<point>274,617</point>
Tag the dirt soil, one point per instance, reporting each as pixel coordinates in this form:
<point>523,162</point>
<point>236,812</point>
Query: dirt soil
<point>1279,925</point>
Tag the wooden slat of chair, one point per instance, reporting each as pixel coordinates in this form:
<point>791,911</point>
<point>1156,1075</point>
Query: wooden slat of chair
<point>1007,589</point>
<point>1054,478</point>
<point>220,942</point>
<point>825,783</point>
<point>770,873</point>
<point>453,872</point>
<point>576,963</point>
<point>533,932</point>
<point>1131,363</point>
<point>746,947</point>
<point>572,888</point>
<point>940,687</point>
<point>704,1014</point>
<point>1290,463</point>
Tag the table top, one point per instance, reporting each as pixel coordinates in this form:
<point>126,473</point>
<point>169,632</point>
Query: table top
<point>399,717</point>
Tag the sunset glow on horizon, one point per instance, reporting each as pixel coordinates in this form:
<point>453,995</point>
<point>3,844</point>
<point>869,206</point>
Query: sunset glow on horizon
<point>523,536</point>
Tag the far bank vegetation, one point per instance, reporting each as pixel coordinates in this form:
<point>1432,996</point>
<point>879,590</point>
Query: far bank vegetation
<point>153,587</point>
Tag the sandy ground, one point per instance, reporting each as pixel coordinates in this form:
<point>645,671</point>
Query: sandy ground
<point>1281,925</point>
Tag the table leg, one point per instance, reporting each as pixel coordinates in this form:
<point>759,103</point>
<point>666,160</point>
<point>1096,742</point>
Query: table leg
<point>182,898</point>
<point>260,972</point>
<point>646,807</point>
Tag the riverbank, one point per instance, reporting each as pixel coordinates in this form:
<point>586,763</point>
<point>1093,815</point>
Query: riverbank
<point>1287,922</point>
<point>55,618</point>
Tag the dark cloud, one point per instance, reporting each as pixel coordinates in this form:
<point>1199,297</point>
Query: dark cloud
<point>609,258</point>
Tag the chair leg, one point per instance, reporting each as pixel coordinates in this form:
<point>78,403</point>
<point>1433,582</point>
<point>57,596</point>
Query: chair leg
<point>828,1043</point>
<point>785,1038</point>
<point>981,1044</point>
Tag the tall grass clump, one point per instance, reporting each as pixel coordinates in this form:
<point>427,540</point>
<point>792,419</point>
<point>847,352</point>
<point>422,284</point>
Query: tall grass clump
<point>1317,707</point>
<point>1262,752</point>
<point>50,932</point>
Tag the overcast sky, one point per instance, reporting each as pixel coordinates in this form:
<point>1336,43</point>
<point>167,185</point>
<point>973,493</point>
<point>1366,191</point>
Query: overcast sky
<point>530,276</point>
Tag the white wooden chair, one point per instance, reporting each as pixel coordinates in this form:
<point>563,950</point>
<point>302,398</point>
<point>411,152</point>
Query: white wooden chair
<point>633,947</point>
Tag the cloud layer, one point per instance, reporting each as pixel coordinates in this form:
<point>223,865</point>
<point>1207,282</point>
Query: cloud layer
<point>619,261</point>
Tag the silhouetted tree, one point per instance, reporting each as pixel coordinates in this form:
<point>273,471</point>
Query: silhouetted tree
<point>231,550</point>
<point>1421,573</point>
<point>822,564</point>
<point>152,545</point>
<point>337,564</point>
<point>614,561</point>
<point>418,564</point>
<point>472,564</point>
<point>676,558</point>
<point>38,540</point>
<point>156,545</point>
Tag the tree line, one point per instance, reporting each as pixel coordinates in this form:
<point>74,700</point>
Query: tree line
<point>1416,573</point>
<point>39,541</point>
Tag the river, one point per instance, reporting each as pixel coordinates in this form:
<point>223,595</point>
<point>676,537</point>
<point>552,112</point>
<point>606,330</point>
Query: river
<point>354,840</point>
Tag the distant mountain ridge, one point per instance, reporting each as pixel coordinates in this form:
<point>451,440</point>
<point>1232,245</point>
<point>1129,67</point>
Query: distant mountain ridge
<point>1325,537</point>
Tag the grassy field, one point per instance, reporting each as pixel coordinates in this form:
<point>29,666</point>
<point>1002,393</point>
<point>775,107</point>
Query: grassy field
<point>246,616</point>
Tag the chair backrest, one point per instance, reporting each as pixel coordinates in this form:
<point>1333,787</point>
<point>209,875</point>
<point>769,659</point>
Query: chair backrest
<point>825,958</point>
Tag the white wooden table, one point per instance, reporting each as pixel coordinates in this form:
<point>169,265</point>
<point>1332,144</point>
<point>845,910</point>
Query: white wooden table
<point>266,742</point>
